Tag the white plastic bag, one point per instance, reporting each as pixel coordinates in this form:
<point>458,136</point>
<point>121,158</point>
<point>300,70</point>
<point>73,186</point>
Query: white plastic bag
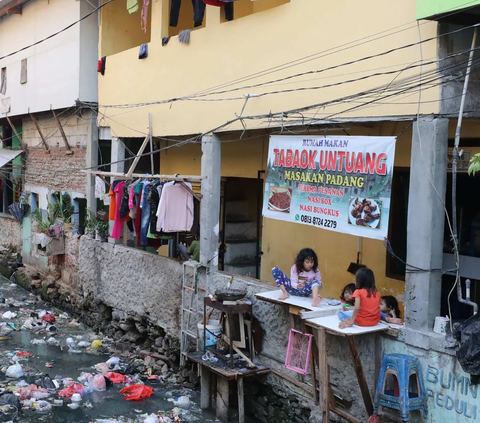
<point>14,371</point>
<point>9,315</point>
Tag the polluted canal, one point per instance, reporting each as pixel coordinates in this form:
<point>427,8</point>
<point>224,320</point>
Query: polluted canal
<point>55,369</point>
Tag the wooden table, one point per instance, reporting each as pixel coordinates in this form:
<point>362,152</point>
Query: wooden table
<point>223,374</point>
<point>329,324</point>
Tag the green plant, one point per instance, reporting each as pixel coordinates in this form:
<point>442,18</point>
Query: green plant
<point>102,228</point>
<point>474,164</point>
<point>67,208</point>
<point>42,226</point>
<point>90,219</point>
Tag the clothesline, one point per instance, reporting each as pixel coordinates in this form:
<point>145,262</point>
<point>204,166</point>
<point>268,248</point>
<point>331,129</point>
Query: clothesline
<point>176,177</point>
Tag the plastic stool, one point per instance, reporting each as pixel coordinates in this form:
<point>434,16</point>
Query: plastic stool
<point>400,385</point>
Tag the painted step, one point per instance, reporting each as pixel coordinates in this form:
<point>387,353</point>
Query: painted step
<point>245,230</point>
<point>241,252</point>
<point>236,209</point>
<point>245,269</point>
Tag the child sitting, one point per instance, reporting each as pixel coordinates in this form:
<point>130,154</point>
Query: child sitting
<point>367,302</point>
<point>346,297</point>
<point>389,311</point>
<point>305,277</point>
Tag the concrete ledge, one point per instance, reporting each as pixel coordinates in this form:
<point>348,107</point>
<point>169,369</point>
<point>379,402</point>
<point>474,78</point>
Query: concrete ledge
<point>427,340</point>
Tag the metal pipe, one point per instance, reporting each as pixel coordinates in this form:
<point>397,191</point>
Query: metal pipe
<point>467,289</point>
<point>454,178</point>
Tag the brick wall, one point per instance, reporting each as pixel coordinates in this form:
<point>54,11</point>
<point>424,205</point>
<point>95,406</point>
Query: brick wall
<point>48,170</point>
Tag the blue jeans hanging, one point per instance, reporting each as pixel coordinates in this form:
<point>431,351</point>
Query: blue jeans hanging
<point>145,222</point>
<point>282,279</point>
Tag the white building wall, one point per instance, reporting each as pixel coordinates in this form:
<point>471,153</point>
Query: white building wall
<point>54,68</point>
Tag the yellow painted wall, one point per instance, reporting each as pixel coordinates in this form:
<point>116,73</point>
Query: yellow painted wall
<point>224,52</point>
<point>121,31</point>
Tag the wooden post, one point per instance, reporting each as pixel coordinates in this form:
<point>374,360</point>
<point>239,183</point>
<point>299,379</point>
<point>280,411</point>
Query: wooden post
<point>241,402</point>
<point>15,131</point>
<point>205,387</point>
<point>313,359</point>
<point>150,134</point>
<point>40,133</point>
<point>137,157</point>
<point>60,127</point>
<point>357,364</point>
<point>323,376</point>
<point>223,393</point>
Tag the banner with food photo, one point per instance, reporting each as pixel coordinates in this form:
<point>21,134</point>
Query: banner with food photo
<point>339,183</point>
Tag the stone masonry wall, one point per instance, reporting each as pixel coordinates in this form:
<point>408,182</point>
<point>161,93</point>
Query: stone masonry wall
<point>10,232</point>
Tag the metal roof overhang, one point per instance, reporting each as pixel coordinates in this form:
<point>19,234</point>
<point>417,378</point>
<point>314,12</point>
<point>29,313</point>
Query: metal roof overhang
<point>8,155</point>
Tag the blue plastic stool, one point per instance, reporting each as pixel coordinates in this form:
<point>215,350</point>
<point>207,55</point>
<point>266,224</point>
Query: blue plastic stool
<point>400,385</point>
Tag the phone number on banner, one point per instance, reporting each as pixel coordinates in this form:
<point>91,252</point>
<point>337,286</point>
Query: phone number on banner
<point>318,221</point>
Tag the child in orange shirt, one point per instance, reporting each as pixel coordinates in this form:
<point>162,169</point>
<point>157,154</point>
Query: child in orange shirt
<point>367,302</point>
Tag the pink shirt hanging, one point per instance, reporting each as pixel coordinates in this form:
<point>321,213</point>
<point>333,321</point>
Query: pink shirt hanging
<point>118,222</point>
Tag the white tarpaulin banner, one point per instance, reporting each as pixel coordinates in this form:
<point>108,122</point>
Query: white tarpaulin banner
<point>339,183</point>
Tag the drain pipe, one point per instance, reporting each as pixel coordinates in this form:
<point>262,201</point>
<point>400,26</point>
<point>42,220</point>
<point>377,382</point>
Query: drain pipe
<point>456,155</point>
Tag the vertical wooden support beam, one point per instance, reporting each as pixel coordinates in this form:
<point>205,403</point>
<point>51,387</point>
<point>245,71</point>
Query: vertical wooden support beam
<point>223,394</point>
<point>205,388</point>
<point>62,132</point>
<point>15,132</point>
<point>40,133</point>
<point>150,134</point>
<point>323,376</point>
<point>241,401</point>
<point>362,381</point>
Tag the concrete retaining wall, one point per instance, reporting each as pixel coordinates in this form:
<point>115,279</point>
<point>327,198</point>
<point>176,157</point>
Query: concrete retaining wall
<point>10,232</point>
<point>132,281</point>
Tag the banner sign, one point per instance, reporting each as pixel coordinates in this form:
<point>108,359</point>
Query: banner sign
<point>339,183</point>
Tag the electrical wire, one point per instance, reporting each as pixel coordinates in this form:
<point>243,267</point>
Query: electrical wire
<point>36,43</point>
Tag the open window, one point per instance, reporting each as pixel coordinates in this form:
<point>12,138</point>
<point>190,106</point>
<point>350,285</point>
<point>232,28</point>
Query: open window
<point>242,8</point>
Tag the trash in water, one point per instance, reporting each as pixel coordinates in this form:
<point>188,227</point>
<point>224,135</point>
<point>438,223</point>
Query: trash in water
<point>45,382</point>
<point>183,401</point>
<point>73,388</point>
<point>48,318</point>
<point>42,406</point>
<point>137,392</point>
<point>102,368</point>
<point>38,341</point>
<point>99,383</point>
<point>115,377</point>
<point>9,315</point>
<point>96,344</point>
<point>14,371</point>
<point>113,361</point>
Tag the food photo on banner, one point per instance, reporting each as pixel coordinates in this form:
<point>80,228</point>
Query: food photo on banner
<point>338,183</point>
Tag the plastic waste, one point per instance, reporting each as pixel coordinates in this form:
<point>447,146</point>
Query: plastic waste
<point>137,392</point>
<point>96,344</point>
<point>74,351</point>
<point>52,341</point>
<point>11,399</point>
<point>42,313</point>
<point>73,388</point>
<point>84,377</point>
<point>42,406</point>
<point>45,382</point>
<point>152,418</point>
<point>48,318</point>
<point>24,354</point>
<point>22,384</point>
<point>70,342</point>
<point>57,403</point>
<point>73,405</point>
<point>102,368</point>
<point>182,401</point>
<point>14,371</point>
<point>38,341</point>
<point>76,397</point>
<point>9,315</point>
<point>468,353</point>
<point>99,383</point>
<point>113,361</point>
<point>115,377</point>
<point>83,344</point>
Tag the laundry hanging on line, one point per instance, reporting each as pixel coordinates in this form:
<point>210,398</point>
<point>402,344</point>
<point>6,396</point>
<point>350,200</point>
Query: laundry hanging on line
<point>155,210</point>
<point>198,11</point>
